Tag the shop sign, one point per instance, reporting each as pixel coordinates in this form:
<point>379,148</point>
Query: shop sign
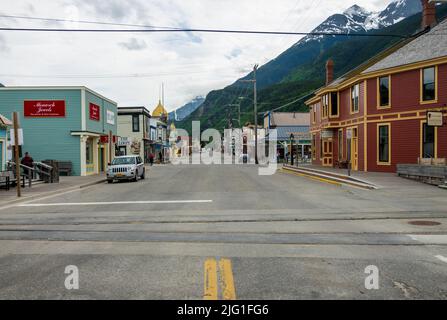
<point>327,134</point>
<point>434,119</point>
<point>12,137</point>
<point>95,112</point>
<point>104,139</point>
<point>44,109</point>
<point>123,141</point>
<point>110,117</point>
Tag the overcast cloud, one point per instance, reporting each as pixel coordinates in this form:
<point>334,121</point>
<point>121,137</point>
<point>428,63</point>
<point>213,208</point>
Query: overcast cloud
<point>129,68</point>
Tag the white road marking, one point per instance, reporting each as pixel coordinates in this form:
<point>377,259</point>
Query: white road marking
<point>442,258</point>
<point>429,239</point>
<point>111,203</point>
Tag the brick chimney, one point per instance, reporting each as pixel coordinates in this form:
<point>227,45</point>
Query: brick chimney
<point>428,14</point>
<point>329,71</point>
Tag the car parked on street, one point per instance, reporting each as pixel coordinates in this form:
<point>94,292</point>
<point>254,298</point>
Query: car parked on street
<point>126,168</point>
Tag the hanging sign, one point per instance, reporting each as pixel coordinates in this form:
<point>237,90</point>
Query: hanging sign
<point>44,109</point>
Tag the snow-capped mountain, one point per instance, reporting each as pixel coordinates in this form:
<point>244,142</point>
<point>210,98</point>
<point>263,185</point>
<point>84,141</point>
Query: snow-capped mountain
<point>184,111</point>
<point>357,19</point>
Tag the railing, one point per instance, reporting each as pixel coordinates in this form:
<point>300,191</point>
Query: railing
<point>39,172</point>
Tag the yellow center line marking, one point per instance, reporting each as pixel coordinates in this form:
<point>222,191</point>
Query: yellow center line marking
<point>210,280</point>
<point>311,177</point>
<point>227,280</point>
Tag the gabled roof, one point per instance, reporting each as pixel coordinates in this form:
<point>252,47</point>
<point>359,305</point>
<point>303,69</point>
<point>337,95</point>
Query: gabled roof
<point>289,119</point>
<point>428,46</point>
<point>5,121</point>
<point>415,49</point>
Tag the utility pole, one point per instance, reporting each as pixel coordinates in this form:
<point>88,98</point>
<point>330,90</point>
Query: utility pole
<point>255,69</point>
<point>16,152</point>
<point>255,102</point>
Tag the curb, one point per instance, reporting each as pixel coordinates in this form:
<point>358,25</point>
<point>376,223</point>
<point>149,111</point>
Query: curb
<point>51,193</point>
<point>310,173</point>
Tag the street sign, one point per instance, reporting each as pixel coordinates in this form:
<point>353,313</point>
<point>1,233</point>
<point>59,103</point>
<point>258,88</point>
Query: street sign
<point>435,119</point>
<point>13,141</point>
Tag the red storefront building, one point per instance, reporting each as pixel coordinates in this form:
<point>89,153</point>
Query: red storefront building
<point>375,117</point>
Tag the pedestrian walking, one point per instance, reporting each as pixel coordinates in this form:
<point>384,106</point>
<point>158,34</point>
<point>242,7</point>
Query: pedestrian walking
<point>28,161</point>
<point>151,158</point>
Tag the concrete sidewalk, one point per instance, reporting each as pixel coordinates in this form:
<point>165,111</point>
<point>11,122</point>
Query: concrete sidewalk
<point>379,179</point>
<point>46,189</point>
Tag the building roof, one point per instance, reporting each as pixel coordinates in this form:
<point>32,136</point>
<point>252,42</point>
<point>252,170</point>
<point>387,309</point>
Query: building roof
<point>428,46</point>
<point>18,88</point>
<point>278,119</point>
<point>159,111</point>
<point>5,121</point>
<point>132,110</point>
<point>300,132</point>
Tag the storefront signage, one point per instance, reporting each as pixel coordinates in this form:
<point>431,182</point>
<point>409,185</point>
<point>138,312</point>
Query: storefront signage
<point>44,109</point>
<point>124,141</point>
<point>110,117</point>
<point>327,134</point>
<point>105,139</point>
<point>13,140</point>
<point>434,119</point>
<point>95,112</point>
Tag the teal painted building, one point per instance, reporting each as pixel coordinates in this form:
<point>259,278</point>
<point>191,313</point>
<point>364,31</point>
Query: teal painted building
<point>64,124</point>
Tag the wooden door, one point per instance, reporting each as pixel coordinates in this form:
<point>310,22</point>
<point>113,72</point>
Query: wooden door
<point>327,152</point>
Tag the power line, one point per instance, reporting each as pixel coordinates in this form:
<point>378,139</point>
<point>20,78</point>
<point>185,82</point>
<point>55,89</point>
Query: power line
<point>204,31</point>
<point>84,22</point>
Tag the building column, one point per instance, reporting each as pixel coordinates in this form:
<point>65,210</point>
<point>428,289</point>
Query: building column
<point>83,159</point>
<point>96,155</point>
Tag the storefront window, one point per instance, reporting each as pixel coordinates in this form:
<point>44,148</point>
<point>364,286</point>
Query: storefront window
<point>89,151</point>
<point>428,141</point>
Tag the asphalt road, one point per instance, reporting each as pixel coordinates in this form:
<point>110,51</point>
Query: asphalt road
<point>195,232</point>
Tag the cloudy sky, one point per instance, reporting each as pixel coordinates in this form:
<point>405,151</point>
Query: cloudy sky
<point>129,68</point>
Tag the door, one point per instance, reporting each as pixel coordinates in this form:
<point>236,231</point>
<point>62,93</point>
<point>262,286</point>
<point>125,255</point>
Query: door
<point>354,150</point>
<point>327,152</point>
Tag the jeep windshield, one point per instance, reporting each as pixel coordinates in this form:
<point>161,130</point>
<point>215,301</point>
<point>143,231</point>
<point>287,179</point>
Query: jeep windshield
<point>123,161</point>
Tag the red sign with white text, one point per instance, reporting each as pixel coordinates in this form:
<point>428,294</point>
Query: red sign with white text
<point>95,112</point>
<point>44,109</point>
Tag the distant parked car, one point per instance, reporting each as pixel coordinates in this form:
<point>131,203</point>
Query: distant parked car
<point>126,168</point>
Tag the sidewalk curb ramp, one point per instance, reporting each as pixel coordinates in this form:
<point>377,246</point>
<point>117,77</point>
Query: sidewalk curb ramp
<point>334,177</point>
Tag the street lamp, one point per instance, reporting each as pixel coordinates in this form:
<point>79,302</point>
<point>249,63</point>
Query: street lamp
<point>292,137</point>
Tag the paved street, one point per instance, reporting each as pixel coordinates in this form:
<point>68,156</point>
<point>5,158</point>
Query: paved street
<point>191,232</point>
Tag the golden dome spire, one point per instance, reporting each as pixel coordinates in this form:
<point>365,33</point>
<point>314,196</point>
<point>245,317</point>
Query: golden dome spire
<point>160,110</point>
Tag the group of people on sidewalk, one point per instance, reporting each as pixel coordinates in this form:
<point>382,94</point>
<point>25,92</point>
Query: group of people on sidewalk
<point>152,158</point>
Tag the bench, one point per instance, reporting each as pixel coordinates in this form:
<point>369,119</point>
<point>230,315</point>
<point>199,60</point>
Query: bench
<point>342,164</point>
<point>430,174</point>
<point>65,167</point>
